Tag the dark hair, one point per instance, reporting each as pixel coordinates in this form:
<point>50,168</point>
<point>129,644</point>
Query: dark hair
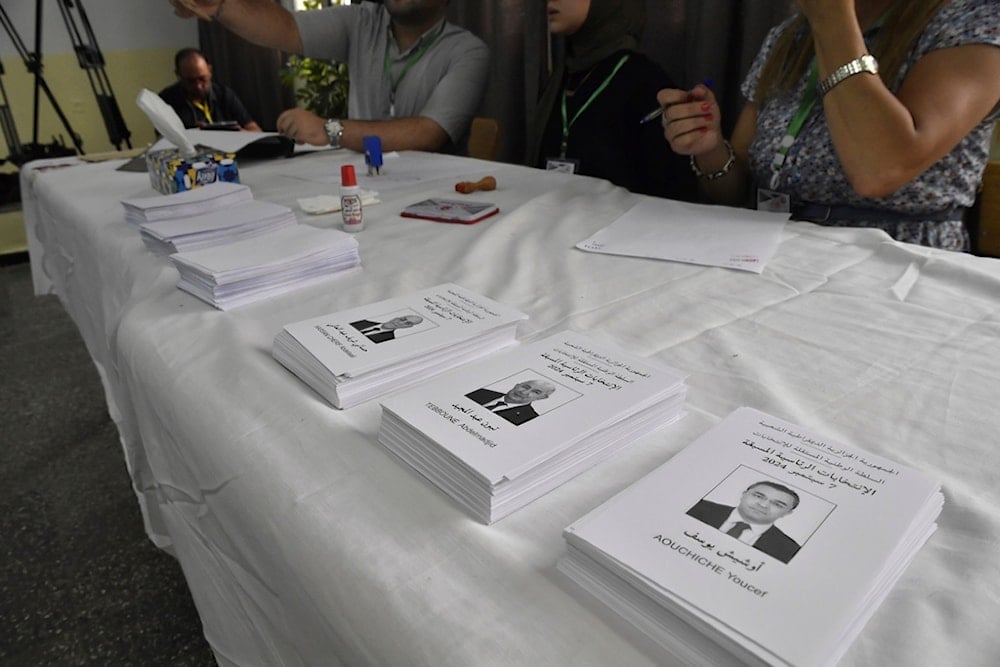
<point>184,54</point>
<point>778,487</point>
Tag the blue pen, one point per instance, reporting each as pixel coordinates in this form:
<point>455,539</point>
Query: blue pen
<point>658,111</point>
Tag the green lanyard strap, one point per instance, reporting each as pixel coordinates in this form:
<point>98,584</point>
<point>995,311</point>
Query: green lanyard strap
<point>567,124</point>
<point>414,57</point>
<point>809,100</point>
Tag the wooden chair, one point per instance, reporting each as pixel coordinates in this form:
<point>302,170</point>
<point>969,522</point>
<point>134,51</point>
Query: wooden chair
<point>484,138</point>
<point>988,233</point>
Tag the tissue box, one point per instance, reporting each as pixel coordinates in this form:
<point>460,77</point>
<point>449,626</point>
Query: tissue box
<point>169,172</point>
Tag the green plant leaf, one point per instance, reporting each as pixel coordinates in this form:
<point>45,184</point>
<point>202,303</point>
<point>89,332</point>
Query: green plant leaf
<point>321,86</point>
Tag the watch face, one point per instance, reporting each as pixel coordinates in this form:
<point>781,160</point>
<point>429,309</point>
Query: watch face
<point>334,128</point>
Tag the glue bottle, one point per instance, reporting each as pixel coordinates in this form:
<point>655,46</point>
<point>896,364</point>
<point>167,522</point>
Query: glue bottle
<point>350,200</point>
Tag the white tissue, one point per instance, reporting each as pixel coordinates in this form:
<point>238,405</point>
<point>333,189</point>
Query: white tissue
<point>165,120</point>
<point>330,204</point>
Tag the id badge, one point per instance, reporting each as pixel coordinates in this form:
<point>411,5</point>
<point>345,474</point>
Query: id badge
<point>775,202</point>
<point>563,165</point>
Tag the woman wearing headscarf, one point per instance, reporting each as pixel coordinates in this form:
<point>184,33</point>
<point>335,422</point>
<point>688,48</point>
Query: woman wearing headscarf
<point>588,118</point>
<point>859,113</point>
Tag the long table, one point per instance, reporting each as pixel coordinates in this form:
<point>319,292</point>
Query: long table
<point>304,543</point>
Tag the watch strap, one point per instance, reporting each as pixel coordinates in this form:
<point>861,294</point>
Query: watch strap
<point>865,63</point>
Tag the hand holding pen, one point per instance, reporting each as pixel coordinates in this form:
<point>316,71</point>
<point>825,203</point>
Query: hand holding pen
<point>658,111</point>
<point>691,119</point>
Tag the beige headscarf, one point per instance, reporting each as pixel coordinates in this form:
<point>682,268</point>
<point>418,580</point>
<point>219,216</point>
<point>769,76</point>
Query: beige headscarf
<point>610,26</point>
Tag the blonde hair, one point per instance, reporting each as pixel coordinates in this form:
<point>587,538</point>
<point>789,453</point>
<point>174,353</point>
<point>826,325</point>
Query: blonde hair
<point>794,49</point>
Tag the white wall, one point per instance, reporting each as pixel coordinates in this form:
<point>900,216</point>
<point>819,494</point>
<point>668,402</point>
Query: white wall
<point>138,39</point>
<point>118,25</point>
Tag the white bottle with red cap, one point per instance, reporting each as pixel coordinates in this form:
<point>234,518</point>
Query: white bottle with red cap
<point>350,200</point>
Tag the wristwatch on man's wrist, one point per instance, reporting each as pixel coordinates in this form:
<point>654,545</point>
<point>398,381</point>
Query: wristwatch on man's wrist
<point>334,131</point>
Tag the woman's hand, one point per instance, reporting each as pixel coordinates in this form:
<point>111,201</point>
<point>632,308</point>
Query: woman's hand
<point>691,120</point>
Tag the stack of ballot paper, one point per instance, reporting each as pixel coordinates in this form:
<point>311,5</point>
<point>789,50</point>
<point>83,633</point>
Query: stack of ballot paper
<point>211,197</point>
<point>241,272</point>
<point>241,221</point>
<point>499,433</point>
<point>358,354</point>
<point>761,543</point>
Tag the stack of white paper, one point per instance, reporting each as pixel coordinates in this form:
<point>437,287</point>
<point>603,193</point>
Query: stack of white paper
<point>499,433</point>
<point>237,273</point>
<point>358,354</point>
<point>211,197</point>
<point>242,220</point>
<point>760,543</point>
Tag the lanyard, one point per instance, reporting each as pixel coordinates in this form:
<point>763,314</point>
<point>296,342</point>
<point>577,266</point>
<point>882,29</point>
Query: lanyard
<point>566,125</point>
<point>203,107</point>
<point>809,99</point>
<point>414,57</point>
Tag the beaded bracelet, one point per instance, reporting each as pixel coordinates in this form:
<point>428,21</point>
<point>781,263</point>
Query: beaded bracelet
<point>721,172</point>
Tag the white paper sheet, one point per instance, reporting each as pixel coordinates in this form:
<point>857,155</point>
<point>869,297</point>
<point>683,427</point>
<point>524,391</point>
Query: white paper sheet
<point>220,140</point>
<point>733,238</point>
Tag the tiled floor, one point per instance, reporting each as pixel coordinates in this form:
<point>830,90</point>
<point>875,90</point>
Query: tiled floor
<point>80,584</point>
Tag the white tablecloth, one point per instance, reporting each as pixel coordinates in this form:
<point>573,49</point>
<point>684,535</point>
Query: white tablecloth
<point>304,543</point>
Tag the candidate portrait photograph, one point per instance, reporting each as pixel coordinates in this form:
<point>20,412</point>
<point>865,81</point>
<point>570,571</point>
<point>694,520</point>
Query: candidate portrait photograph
<point>751,520</point>
<point>389,329</point>
<point>761,511</point>
<point>522,397</point>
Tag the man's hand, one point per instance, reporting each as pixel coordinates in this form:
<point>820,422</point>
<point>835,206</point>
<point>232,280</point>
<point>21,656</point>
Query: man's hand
<point>303,127</point>
<point>203,9</point>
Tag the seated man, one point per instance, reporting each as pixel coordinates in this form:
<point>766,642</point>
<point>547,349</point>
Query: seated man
<point>416,80</point>
<point>201,102</point>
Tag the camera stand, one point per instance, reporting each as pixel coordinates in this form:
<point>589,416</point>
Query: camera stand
<point>90,60</point>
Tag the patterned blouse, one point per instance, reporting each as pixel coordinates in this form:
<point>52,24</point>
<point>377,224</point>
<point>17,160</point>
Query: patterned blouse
<point>812,172</point>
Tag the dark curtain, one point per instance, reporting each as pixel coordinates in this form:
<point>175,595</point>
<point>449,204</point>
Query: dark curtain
<point>692,39</point>
<point>517,33</point>
<point>695,40</point>
<point>250,70</point>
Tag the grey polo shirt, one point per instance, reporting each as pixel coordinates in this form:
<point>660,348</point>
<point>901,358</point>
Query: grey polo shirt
<point>446,84</point>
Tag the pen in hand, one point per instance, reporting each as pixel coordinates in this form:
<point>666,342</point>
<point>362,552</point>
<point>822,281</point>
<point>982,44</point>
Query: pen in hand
<point>652,115</point>
<point>658,111</point>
